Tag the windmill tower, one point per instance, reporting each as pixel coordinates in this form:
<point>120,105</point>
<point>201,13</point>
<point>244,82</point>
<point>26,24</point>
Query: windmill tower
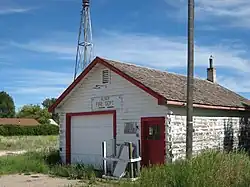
<point>84,45</point>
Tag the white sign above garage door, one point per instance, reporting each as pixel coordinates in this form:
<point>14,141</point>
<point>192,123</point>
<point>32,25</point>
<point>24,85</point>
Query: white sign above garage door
<point>106,102</point>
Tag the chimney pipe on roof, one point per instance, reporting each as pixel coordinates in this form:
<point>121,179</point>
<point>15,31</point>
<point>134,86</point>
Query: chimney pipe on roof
<point>211,61</point>
<point>211,71</point>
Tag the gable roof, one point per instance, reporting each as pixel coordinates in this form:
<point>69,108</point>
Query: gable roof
<point>19,121</point>
<point>168,88</point>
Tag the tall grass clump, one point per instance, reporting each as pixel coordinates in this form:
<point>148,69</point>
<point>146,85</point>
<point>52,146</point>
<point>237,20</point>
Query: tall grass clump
<point>30,162</point>
<point>209,169</point>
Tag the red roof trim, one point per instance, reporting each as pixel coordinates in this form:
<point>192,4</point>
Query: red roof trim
<point>133,81</point>
<point>122,74</point>
<point>160,98</point>
<point>72,85</point>
<point>179,103</point>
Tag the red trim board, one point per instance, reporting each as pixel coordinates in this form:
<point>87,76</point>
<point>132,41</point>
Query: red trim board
<point>179,103</point>
<point>68,128</point>
<point>132,80</point>
<point>72,86</point>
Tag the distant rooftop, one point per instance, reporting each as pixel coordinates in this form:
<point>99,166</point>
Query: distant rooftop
<point>19,121</point>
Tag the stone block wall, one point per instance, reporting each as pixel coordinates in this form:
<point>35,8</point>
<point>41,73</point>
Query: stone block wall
<point>219,133</point>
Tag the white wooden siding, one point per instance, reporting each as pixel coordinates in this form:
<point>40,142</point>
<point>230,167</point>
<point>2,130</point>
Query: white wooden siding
<point>136,103</point>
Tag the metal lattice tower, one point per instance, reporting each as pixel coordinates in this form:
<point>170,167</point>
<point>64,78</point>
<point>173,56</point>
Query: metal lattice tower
<point>84,45</point>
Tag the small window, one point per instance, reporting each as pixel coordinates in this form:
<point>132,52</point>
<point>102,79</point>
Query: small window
<point>154,132</point>
<point>130,128</point>
<point>105,76</point>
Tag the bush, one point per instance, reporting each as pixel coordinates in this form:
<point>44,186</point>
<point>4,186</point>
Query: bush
<point>16,130</point>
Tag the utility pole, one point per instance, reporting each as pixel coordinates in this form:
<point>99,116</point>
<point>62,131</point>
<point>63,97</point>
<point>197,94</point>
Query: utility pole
<point>190,80</point>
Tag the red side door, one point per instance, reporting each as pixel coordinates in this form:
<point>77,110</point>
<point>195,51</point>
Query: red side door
<point>153,140</point>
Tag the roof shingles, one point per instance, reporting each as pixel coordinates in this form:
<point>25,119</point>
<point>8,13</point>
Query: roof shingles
<point>173,86</point>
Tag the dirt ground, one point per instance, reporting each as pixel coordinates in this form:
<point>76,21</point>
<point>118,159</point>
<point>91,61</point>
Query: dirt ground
<point>37,180</point>
<point>40,180</point>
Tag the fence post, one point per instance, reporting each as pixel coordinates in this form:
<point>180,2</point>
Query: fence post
<point>104,155</point>
<point>138,155</point>
<point>114,142</point>
<point>130,149</point>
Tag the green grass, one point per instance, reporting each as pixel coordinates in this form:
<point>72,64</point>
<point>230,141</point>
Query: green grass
<point>210,169</point>
<point>28,143</point>
<point>46,162</point>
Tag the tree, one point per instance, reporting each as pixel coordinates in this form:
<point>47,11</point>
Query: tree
<point>36,112</point>
<point>7,106</point>
<point>49,102</point>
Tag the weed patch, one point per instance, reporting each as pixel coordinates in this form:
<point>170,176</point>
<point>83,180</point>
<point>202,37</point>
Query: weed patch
<point>214,169</point>
<point>44,162</point>
<point>29,162</point>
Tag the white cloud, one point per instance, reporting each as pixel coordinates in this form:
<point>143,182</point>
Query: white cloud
<point>38,90</point>
<point>154,51</point>
<point>162,52</point>
<point>8,10</point>
<point>237,83</point>
<point>37,82</point>
<point>4,60</point>
<point>4,63</point>
<point>14,7</point>
<point>235,12</point>
<point>46,47</point>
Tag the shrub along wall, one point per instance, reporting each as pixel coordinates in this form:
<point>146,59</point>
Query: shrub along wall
<point>16,130</point>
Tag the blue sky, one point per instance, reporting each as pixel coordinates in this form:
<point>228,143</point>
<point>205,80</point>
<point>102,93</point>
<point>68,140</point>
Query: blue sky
<point>38,41</point>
